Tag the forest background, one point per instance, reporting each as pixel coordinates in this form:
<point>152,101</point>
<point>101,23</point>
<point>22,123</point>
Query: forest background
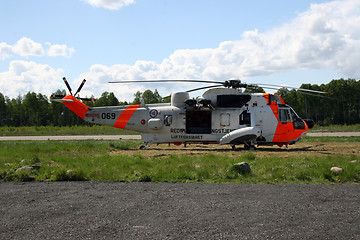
<point>341,105</point>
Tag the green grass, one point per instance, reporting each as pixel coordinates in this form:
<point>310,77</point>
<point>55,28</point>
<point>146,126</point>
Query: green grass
<point>331,139</point>
<point>92,160</point>
<point>63,131</point>
<point>336,128</point>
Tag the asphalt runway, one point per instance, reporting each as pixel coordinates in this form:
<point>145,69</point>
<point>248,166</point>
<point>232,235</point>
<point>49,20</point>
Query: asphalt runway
<point>117,137</point>
<point>114,210</point>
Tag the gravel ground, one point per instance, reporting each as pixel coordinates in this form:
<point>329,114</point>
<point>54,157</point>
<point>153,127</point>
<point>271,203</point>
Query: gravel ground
<point>112,210</point>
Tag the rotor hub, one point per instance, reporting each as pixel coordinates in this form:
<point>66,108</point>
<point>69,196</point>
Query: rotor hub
<point>234,83</point>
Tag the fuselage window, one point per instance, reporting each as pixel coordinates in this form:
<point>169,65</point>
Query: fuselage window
<point>168,120</point>
<point>245,118</point>
<point>224,119</point>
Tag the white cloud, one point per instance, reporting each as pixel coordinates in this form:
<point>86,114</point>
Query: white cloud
<point>26,47</point>
<point>99,76</point>
<point>327,36</point>
<point>110,4</point>
<point>24,76</point>
<point>60,50</point>
<point>5,51</point>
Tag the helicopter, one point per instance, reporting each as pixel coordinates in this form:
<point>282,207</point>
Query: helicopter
<point>223,115</point>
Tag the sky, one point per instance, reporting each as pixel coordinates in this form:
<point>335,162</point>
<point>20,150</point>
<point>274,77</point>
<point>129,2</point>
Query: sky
<point>272,42</point>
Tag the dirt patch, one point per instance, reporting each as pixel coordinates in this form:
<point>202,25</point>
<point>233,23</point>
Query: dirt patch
<point>299,149</point>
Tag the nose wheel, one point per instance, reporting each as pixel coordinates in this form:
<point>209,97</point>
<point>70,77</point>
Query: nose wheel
<point>247,146</point>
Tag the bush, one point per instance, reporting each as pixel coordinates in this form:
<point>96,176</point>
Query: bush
<point>69,175</point>
<point>144,178</point>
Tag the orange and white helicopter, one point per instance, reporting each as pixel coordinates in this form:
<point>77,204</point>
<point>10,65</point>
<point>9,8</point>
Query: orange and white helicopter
<point>223,115</point>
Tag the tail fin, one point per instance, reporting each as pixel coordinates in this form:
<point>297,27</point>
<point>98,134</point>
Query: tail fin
<point>75,105</point>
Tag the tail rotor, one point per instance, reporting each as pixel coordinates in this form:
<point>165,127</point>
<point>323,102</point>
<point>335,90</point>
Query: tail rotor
<point>67,85</point>
<point>80,87</point>
<point>76,93</point>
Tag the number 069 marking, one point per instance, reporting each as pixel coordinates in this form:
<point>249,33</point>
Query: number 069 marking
<point>108,115</point>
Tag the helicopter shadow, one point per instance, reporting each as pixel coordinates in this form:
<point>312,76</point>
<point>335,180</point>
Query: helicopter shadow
<point>299,149</point>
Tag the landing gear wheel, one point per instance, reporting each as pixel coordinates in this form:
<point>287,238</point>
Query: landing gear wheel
<point>249,146</point>
<point>252,148</point>
<point>143,147</point>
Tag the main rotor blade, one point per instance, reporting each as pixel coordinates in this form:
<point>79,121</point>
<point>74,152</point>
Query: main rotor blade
<point>196,89</point>
<point>67,85</point>
<point>316,95</point>
<point>80,87</point>
<point>272,88</point>
<point>168,80</point>
<point>309,90</point>
<point>301,89</point>
<point>228,83</point>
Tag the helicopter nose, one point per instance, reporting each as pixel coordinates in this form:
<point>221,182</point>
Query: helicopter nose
<point>310,123</point>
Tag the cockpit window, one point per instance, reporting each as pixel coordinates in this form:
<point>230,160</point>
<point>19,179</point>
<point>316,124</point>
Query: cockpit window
<point>294,116</point>
<point>284,115</point>
<point>298,122</point>
<point>287,114</point>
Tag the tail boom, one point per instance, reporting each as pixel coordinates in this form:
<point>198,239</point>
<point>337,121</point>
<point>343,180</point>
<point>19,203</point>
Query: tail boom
<point>75,105</point>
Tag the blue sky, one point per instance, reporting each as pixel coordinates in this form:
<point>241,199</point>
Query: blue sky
<point>275,42</point>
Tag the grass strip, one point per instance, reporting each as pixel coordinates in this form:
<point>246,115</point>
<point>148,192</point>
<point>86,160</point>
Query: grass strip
<point>94,160</point>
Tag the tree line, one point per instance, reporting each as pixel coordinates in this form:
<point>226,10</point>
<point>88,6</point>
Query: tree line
<point>341,105</point>
<point>36,109</point>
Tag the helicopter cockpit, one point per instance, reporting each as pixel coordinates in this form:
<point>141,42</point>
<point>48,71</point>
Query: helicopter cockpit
<point>287,114</point>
